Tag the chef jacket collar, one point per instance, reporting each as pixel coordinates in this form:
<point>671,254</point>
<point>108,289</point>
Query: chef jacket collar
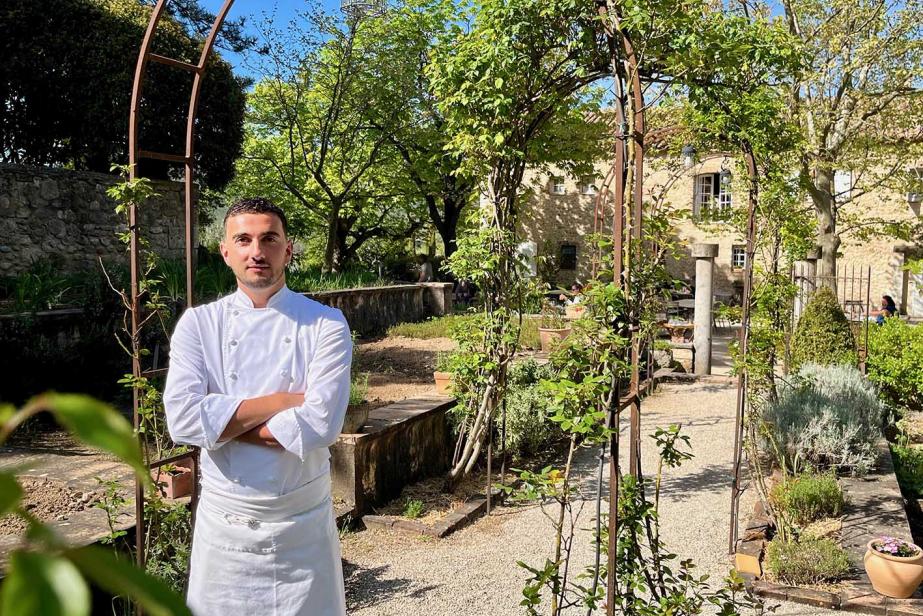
<point>243,300</point>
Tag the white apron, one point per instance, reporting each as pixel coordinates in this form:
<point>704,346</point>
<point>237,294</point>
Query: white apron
<point>267,556</point>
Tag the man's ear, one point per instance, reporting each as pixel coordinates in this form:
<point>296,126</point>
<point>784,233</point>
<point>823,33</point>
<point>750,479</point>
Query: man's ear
<point>224,252</point>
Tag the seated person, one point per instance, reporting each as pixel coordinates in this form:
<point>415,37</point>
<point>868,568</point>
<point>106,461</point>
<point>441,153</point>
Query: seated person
<point>576,295</point>
<point>888,309</point>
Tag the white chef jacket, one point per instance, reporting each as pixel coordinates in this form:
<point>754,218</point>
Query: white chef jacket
<point>226,351</point>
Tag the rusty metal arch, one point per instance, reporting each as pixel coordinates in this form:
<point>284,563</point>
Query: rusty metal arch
<point>135,154</point>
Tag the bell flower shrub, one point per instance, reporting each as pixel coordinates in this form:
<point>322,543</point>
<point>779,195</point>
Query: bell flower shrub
<point>828,417</point>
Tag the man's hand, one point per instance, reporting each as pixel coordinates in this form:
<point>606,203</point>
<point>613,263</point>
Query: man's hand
<point>259,435</point>
<point>254,412</point>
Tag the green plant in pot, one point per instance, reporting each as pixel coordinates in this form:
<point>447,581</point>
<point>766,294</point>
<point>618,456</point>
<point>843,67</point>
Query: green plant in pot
<point>442,374</point>
<point>553,327</point>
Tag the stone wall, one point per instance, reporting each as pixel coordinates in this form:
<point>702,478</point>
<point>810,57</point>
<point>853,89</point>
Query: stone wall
<point>67,215</point>
<point>373,310</point>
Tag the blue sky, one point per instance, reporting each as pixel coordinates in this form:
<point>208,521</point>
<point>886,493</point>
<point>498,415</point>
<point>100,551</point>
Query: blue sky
<point>254,10</point>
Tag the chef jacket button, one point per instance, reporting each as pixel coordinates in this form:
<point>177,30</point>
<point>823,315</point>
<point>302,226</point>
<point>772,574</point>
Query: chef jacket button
<point>286,340</point>
<point>233,343</point>
<point>233,376</point>
<point>285,373</point>
<point>236,312</point>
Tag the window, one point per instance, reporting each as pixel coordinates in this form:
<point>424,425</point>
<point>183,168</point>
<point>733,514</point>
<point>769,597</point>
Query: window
<point>588,186</point>
<point>711,200</point>
<point>915,194</point>
<point>738,257</point>
<point>557,185</point>
<point>568,259</point>
<point>842,185</point>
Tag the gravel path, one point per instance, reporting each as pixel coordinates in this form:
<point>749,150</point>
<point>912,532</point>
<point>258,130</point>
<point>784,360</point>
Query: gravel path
<point>474,571</point>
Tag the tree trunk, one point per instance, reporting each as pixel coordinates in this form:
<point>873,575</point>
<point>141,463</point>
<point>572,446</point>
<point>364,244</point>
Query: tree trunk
<point>330,247</point>
<point>827,237</point>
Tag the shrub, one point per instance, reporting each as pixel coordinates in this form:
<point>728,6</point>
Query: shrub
<point>806,562</point>
<point>808,497</point>
<point>895,357</point>
<point>436,327</point>
<point>358,388</point>
<point>823,335</point>
<point>908,466</point>
<point>528,428</point>
<point>826,416</point>
<point>412,509</point>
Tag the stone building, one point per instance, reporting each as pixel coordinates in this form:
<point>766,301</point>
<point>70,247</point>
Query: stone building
<point>558,215</point>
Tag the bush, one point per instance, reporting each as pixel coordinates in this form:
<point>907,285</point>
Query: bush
<point>823,335</point>
<point>908,466</point>
<point>808,497</point>
<point>358,388</point>
<point>528,429</point>
<point>895,357</point>
<point>826,416</point>
<point>806,562</point>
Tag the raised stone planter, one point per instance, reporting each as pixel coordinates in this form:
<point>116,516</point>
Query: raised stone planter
<point>445,526</point>
<point>401,443</point>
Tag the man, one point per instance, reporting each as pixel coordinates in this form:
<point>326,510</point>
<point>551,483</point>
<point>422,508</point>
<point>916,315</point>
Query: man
<point>259,380</point>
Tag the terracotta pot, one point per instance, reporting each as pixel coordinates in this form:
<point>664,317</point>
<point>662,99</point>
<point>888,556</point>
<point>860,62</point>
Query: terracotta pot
<point>443,383</point>
<point>356,416</point>
<point>574,311</point>
<point>894,576</point>
<point>175,483</point>
<point>551,337</point>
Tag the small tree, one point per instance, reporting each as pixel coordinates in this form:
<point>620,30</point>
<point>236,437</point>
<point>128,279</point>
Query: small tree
<point>823,335</point>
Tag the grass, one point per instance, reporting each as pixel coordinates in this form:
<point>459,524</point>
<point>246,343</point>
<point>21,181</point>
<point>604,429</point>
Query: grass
<point>806,562</point>
<point>313,280</point>
<point>441,327</point>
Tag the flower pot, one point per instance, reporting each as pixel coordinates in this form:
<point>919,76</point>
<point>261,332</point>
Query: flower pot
<point>551,337</point>
<point>443,383</point>
<point>356,416</point>
<point>893,576</point>
<point>174,483</point>
<point>574,311</point>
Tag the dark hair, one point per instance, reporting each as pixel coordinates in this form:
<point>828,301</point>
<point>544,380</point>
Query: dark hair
<point>256,205</point>
<point>890,302</point>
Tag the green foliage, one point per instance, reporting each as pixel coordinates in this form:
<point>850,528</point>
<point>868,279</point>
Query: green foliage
<point>169,541</point>
<point>806,562</point>
<point>895,357</point>
<point>528,425</point>
<point>908,466</point>
<point>826,416</point>
<point>808,497</point>
<point>46,576</point>
<point>823,335</point>
<point>435,327</point>
<point>111,502</point>
<point>358,388</point>
<point>313,280</point>
<point>412,509</point>
<point>51,117</point>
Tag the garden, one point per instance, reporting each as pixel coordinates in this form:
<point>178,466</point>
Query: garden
<point>509,446</point>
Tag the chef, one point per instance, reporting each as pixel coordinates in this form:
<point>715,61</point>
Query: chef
<point>259,380</point>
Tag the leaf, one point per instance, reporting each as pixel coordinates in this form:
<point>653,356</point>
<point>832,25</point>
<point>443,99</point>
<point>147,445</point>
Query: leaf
<point>97,424</point>
<point>43,584</point>
<point>10,493</point>
<point>121,577</point>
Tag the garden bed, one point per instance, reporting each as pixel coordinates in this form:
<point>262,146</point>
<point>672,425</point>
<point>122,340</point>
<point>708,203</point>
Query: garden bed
<point>874,507</point>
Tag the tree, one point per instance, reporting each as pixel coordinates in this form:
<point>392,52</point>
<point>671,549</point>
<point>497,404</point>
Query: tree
<point>66,95</point>
<point>858,103</point>
<point>314,141</point>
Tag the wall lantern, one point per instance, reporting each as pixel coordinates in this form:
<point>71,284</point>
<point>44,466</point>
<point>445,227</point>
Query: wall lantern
<point>688,156</point>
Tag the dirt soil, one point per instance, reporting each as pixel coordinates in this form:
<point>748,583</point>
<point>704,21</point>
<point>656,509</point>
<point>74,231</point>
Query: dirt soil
<point>438,503</point>
<point>399,367</point>
<point>49,501</point>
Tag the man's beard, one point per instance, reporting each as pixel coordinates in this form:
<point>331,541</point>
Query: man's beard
<point>261,282</point>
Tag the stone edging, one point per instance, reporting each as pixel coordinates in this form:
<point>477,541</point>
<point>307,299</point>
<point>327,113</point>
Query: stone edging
<point>447,525</point>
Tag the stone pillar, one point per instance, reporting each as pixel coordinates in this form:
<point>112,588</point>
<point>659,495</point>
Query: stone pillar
<point>704,255</point>
<point>437,298</point>
<point>805,280</point>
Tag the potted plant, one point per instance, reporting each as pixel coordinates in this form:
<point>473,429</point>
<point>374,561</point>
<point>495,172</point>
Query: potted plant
<point>894,566</point>
<point>443,374</point>
<point>174,480</point>
<point>552,329</point>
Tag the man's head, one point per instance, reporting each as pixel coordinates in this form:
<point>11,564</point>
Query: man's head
<point>256,246</point>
